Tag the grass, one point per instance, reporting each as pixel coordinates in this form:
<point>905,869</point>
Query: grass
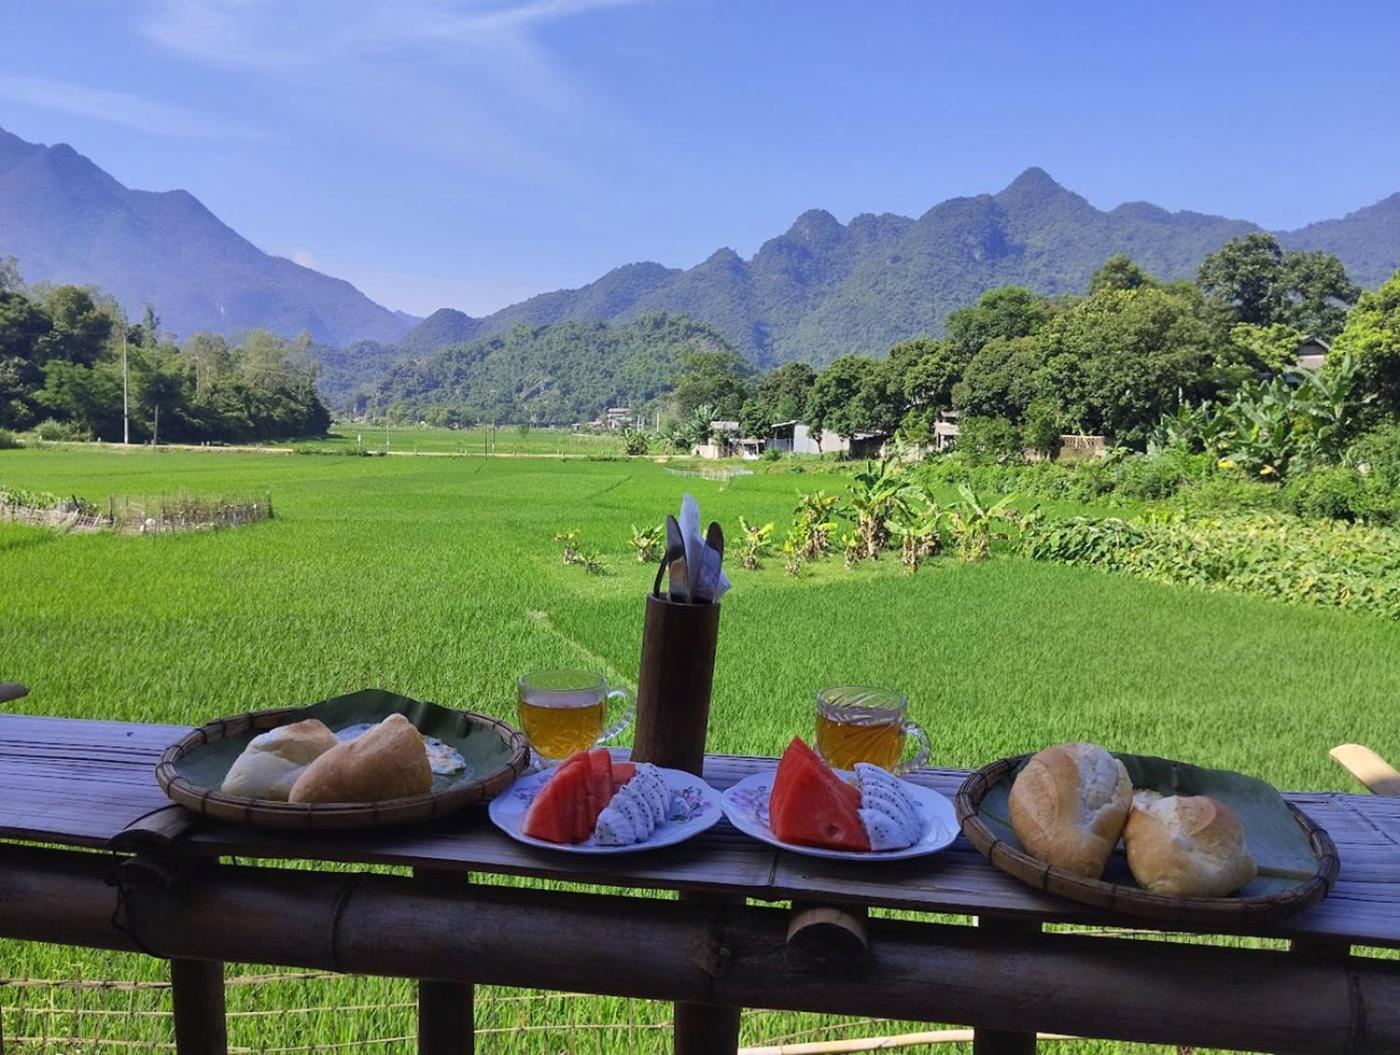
<point>439,578</point>
<point>506,439</point>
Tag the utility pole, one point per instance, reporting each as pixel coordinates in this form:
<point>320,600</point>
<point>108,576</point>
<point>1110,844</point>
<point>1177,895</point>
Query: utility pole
<point>126,415</point>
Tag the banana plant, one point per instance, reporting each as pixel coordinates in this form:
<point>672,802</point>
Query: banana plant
<point>792,554</point>
<point>647,543</point>
<point>974,524</point>
<point>873,497</point>
<point>916,524</point>
<point>756,541</point>
<point>814,521</point>
<point>569,540</point>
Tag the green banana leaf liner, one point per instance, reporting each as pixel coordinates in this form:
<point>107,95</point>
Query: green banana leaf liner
<point>192,771</point>
<point>1297,860</point>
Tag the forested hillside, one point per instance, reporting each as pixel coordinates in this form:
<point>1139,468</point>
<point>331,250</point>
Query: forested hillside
<point>555,374</point>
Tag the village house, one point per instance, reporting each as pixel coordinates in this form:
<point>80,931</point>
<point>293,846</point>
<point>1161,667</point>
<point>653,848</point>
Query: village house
<point>1311,353</point>
<point>793,437</point>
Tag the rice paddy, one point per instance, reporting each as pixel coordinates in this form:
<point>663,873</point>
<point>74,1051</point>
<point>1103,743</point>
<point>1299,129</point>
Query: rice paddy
<point>439,578</point>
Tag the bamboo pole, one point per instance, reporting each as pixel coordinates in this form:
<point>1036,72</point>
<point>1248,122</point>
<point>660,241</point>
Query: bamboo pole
<point>1000,1041</point>
<point>197,998</point>
<point>446,1010</point>
<point>865,1044</point>
<point>394,926</point>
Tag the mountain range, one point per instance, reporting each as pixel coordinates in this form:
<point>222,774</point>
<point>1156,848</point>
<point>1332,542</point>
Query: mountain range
<point>67,220</point>
<point>819,290</point>
<point>823,289</point>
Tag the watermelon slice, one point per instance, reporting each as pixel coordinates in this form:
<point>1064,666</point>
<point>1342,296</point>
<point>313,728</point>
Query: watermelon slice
<point>811,806</point>
<point>799,757</point>
<point>552,814</point>
<point>566,809</point>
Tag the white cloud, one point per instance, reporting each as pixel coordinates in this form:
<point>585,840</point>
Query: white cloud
<point>291,33</point>
<point>304,258</point>
<point>465,79</point>
<point>120,108</point>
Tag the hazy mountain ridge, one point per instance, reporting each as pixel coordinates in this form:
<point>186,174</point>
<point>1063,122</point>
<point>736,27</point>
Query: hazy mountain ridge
<point>818,290</point>
<point>823,288</point>
<point>69,221</point>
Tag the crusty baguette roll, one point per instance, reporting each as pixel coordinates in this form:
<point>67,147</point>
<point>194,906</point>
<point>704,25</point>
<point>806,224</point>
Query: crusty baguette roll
<point>1068,806</point>
<point>272,761</point>
<point>1187,845</point>
<point>386,762</point>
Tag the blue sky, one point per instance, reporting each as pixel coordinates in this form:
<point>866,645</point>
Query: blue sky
<point>469,153</point>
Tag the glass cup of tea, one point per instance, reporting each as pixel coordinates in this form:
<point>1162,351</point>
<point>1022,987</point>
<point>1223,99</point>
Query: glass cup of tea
<point>565,711</point>
<point>859,724</point>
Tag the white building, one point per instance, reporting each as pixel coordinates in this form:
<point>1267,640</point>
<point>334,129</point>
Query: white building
<point>793,437</point>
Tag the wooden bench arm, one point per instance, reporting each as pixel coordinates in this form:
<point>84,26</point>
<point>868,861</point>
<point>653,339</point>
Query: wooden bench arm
<point>1368,767</point>
<point>11,690</point>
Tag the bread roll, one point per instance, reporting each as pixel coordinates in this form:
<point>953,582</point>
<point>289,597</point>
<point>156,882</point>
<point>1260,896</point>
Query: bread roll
<point>1187,845</point>
<point>386,762</point>
<point>272,761</point>
<point>1068,806</point>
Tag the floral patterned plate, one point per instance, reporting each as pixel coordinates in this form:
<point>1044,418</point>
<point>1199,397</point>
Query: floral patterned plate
<point>746,806</point>
<point>694,808</point>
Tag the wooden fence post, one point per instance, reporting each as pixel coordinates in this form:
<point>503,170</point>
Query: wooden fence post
<point>446,1010</point>
<point>197,997</point>
<point>1000,1041</point>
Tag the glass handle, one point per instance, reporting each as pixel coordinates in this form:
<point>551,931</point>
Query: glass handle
<point>915,730</point>
<point>629,711</point>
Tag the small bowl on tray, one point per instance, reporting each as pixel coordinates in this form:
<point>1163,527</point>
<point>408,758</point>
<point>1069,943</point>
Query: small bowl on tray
<point>192,770</point>
<point>1297,860</point>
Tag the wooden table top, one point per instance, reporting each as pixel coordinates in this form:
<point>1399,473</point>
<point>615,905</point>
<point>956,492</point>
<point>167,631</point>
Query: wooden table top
<point>82,783</point>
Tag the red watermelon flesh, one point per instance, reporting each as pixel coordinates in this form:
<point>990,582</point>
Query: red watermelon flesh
<point>798,758</point>
<point>598,793</point>
<point>552,814</point>
<point>814,813</point>
<point>811,806</point>
<point>622,772</point>
<point>566,809</point>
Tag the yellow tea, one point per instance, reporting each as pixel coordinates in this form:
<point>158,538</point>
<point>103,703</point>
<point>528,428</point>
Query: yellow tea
<point>870,736</point>
<point>560,723</point>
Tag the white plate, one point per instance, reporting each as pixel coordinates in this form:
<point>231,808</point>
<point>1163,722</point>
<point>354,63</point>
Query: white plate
<point>695,808</point>
<point>746,806</point>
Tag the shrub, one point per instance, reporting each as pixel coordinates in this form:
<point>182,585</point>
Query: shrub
<point>1334,493</point>
<point>1151,476</point>
<point>990,441</point>
<point>51,431</point>
<point>1326,563</point>
<point>1041,431</point>
<point>9,441</point>
<point>636,442</point>
<point>1377,454</point>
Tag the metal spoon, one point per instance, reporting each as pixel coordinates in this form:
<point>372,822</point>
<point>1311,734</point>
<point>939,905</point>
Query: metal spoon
<point>675,555</point>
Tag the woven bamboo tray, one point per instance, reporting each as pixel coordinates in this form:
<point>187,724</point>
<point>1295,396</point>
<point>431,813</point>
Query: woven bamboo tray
<point>1305,875</point>
<point>191,771</point>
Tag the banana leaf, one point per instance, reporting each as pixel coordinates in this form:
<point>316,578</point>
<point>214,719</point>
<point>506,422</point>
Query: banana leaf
<point>483,750</point>
<point>1279,846</point>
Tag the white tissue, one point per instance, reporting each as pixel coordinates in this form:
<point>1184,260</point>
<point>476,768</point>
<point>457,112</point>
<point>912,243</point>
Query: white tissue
<point>704,569</point>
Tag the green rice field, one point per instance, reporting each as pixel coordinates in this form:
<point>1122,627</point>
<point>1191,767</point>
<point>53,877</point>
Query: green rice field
<point>438,577</point>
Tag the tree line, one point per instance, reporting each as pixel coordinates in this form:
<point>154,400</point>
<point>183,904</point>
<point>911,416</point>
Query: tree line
<point>1021,369</point>
<point>61,371</point>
